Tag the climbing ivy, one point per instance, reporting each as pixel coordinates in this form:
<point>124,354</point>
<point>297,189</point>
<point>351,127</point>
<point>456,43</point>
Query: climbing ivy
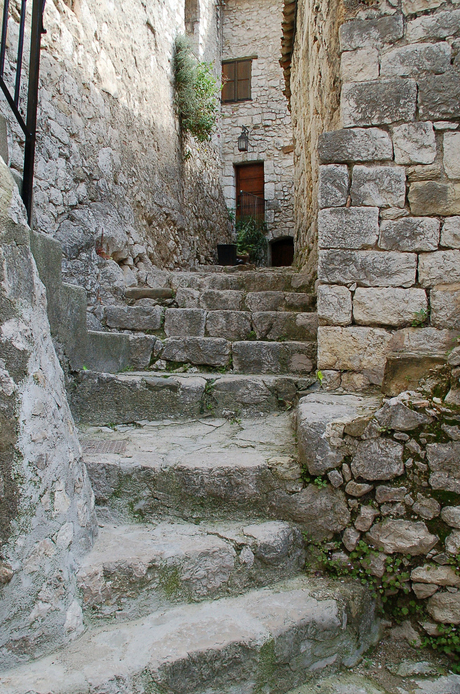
<point>196,92</point>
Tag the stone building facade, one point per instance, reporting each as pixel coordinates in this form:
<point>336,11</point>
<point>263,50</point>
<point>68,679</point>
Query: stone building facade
<point>388,193</point>
<point>251,29</point>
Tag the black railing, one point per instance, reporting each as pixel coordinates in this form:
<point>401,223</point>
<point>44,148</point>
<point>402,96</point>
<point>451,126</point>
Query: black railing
<point>28,123</point>
<point>249,205</point>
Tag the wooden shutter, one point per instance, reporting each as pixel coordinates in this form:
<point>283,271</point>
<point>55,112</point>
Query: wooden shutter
<point>228,80</point>
<point>243,80</point>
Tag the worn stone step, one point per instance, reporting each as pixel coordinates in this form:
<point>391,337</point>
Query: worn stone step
<point>134,570</point>
<point>268,640</point>
<point>257,357</point>
<point>208,469</point>
<point>111,352</point>
<point>101,398</point>
<point>240,300</point>
<point>263,279</point>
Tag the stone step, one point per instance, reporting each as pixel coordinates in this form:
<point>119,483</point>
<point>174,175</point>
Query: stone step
<point>261,280</point>
<point>102,398</point>
<point>234,325</point>
<point>208,469</point>
<point>268,640</point>
<point>134,570</point>
<point>113,352</point>
<point>240,300</point>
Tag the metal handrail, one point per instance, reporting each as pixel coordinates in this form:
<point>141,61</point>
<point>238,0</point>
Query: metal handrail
<point>29,125</point>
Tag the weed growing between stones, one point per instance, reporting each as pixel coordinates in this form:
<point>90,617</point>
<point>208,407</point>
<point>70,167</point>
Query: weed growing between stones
<point>446,641</point>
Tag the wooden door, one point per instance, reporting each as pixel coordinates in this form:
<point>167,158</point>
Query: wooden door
<point>282,252</point>
<point>250,190</point>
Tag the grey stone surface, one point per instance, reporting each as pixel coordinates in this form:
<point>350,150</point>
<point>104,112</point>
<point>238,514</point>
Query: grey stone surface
<point>321,419</point>
<point>384,494</point>
<point>390,306</point>
<point>374,33</point>
<point>113,352</point>
<point>433,197</point>
<point>424,341</point>
<point>334,305</point>
<point>426,508</point>
<point>378,459</point>
<point>184,322</point>
<point>414,143</point>
<point>359,65</point>
<point>273,357</point>
<point>218,300</point>
<point>277,325</point>
<point>451,148</point>
<point>452,543</point>
<point>443,461</point>
<point>155,293</point>
<point>143,317</point>
<point>231,325</point>
<point>408,61</point>
<point>365,518</point>
<point>379,186</point>
<point>187,298</point>
<point>445,306</point>
<point>264,301</point>
<point>450,233</point>
<point>445,608</point>
<point>198,640</point>
<point>396,415</point>
<point>333,185</point>
<point>436,268</point>
<point>355,145</point>
<point>405,537</point>
<point>211,351</point>
<point>409,234</point>
<point>358,489</point>
<point>344,683</point>
<point>367,268</point>
<point>439,95</point>
<point>451,516</point>
<point>435,26</point>
<point>354,348</point>
<point>321,512</point>
<point>348,227</point>
<point>379,101</point>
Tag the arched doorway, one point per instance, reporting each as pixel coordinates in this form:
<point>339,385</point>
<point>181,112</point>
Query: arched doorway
<point>282,252</point>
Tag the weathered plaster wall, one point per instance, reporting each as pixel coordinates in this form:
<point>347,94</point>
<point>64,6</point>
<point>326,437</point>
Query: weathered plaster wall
<point>47,518</point>
<point>253,27</point>
<point>389,193</point>
<point>315,96</point>
<point>109,153</point>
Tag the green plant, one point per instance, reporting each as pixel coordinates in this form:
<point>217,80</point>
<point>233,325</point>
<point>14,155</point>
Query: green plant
<point>446,641</point>
<point>251,239</point>
<point>320,376</point>
<point>320,483</point>
<point>420,318</point>
<point>196,91</point>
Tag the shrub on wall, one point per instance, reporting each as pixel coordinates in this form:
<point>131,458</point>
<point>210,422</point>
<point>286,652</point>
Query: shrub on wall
<point>196,91</point>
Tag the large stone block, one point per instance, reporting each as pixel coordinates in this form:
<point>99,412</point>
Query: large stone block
<point>426,341</point>
<point>182,322</point>
<point>354,349</point>
<point>443,461</point>
<point>360,65</point>
<point>112,352</point>
<point>434,26</point>
<point>378,102</point>
<point>264,301</point>
<point>222,300</point>
<point>277,325</point>
<point>273,357</point>
<point>441,267</point>
<point>390,306</point>
<point>431,197</point>
<point>368,268</point>
<point>439,96</point>
<point>450,234</point>
<point>334,305</point>
<point>408,61</point>
<point>373,33</point>
<point>410,234</point>
<point>355,145</point>
<point>232,325</point>
<point>378,459</point>
<point>413,6</point>
<point>143,317</point>
<point>348,227</point>
<point>445,306</point>
<point>321,418</point>
<point>197,350</point>
<point>452,155</point>
<point>379,186</point>
<point>405,537</point>
<point>187,297</point>
<point>414,143</point>
<point>445,608</point>
<point>333,185</point>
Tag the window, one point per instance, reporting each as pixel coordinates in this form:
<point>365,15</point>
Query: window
<point>236,78</point>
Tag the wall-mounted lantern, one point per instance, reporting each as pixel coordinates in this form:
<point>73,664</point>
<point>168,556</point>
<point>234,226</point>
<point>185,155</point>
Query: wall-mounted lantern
<point>243,140</point>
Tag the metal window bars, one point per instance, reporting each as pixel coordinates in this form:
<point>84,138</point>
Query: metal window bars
<point>29,124</point>
<point>250,205</point>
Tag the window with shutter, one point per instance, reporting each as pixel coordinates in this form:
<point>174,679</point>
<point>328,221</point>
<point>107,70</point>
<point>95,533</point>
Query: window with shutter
<point>236,80</point>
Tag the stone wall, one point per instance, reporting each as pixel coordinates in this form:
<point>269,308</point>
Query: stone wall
<point>389,194</point>
<point>253,28</point>
<point>315,95</point>
<point>47,520</point>
<point>109,156</point>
